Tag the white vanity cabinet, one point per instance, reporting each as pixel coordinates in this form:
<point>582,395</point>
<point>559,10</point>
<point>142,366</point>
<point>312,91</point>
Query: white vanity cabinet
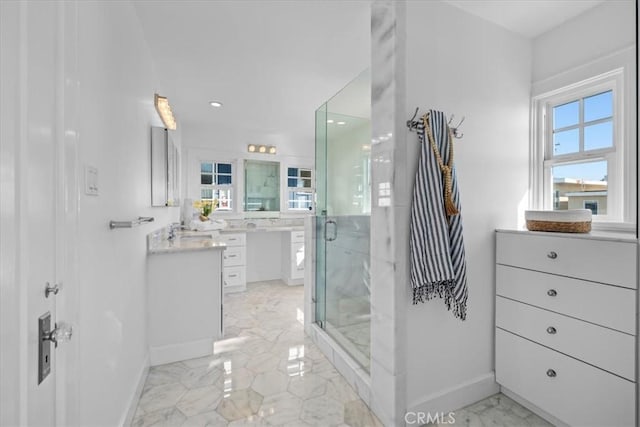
<point>566,325</point>
<point>234,263</point>
<point>184,296</point>
<point>293,257</point>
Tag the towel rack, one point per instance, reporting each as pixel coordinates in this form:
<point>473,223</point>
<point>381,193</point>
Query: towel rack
<point>130,224</point>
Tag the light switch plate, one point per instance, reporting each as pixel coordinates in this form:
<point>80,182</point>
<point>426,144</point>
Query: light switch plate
<point>91,181</point>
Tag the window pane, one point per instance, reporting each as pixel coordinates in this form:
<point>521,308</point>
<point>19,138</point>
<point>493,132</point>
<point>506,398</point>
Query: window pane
<point>565,142</point>
<point>306,183</point>
<point>566,115</point>
<point>598,106</point>
<point>224,167</point>
<point>292,182</point>
<point>224,179</point>
<point>292,171</point>
<point>598,136</point>
<point>305,173</point>
<point>300,200</point>
<point>224,199</point>
<point>206,193</point>
<point>206,167</point>
<point>206,179</point>
<point>575,184</point>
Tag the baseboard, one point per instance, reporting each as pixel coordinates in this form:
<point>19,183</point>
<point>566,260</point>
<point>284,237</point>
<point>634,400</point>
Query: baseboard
<point>127,418</point>
<point>159,355</point>
<point>294,282</point>
<point>458,396</point>
<point>533,408</point>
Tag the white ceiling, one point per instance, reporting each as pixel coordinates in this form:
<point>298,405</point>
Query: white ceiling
<point>271,63</point>
<point>529,18</point>
<point>274,62</point>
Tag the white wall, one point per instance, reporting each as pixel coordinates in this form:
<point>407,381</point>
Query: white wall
<point>115,112</point>
<point>597,32</point>
<point>463,65</point>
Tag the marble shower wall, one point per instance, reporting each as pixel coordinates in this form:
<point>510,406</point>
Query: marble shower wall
<point>389,212</point>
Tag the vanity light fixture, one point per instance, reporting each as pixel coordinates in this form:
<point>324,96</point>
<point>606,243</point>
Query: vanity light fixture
<point>263,149</point>
<point>164,110</point>
<point>216,104</point>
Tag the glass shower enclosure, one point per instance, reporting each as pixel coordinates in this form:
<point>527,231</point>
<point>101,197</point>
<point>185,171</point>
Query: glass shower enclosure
<point>343,212</point>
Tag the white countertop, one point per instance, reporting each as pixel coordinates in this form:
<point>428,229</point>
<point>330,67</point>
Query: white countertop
<point>263,229</point>
<point>617,236</point>
<point>204,241</point>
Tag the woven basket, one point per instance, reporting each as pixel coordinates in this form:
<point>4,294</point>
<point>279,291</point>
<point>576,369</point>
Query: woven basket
<point>560,227</point>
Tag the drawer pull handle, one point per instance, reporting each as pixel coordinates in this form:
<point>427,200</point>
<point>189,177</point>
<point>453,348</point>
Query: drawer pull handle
<point>551,330</point>
<point>552,255</point>
<point>551,373</point>
<point>233,275</point>
<point>552,292</point>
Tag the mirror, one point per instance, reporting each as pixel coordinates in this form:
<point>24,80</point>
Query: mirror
<point>261,186</point>
<point>165,161</point>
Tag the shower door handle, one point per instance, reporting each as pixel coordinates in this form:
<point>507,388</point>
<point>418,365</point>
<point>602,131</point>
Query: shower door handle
<point>335,230</point>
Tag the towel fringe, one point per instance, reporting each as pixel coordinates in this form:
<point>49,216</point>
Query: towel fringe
<point>443,290</point>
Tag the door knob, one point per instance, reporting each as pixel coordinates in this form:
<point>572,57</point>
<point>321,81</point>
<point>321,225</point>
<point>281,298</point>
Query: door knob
<point>61,333</point>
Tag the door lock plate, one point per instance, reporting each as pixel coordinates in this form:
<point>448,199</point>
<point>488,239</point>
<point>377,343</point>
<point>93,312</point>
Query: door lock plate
<point>44,346</point>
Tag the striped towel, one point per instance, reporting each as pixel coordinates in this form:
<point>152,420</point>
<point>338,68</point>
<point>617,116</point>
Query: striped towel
<point>436,244</point>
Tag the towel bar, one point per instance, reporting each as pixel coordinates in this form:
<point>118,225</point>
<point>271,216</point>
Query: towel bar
<point>130,224</point>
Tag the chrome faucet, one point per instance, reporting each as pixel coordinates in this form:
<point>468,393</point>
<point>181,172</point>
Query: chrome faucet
<point>172,230</point>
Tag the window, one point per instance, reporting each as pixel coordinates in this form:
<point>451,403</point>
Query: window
<point>579,148</point>
<point>299,189</point>
<point>591,205</point>
<point>216,182</point>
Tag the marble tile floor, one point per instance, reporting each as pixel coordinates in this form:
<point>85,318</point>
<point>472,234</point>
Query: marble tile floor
<point>495,411</point>
<point>265,372</point>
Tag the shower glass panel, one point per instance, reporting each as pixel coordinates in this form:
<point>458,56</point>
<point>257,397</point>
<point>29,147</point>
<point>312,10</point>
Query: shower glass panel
<point>343,187</point>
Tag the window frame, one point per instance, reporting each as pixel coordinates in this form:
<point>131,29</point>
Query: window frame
<point>217,187</point>
<point>311,190</point>
<point>543,159</point>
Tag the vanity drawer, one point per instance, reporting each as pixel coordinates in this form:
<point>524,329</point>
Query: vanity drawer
<point>234,239</point>
<point>578,394</point>
<point>597,260</point>
<point>610,306</point>
<point>610,350</point>
<point>233,276</point>
<point>234,255</point>
<point>297,236</point>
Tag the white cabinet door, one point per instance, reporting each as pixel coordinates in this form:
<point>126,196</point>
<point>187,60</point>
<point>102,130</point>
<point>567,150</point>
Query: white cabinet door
<point>297,260</point>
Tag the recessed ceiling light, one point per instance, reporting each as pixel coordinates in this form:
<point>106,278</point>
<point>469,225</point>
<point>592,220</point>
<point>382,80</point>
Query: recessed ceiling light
<point>341,123</point>
<point>330,121</point>
<point>216,104</point>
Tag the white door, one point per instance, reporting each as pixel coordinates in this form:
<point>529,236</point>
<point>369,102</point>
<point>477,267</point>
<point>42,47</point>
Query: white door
<point>32,183</point>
